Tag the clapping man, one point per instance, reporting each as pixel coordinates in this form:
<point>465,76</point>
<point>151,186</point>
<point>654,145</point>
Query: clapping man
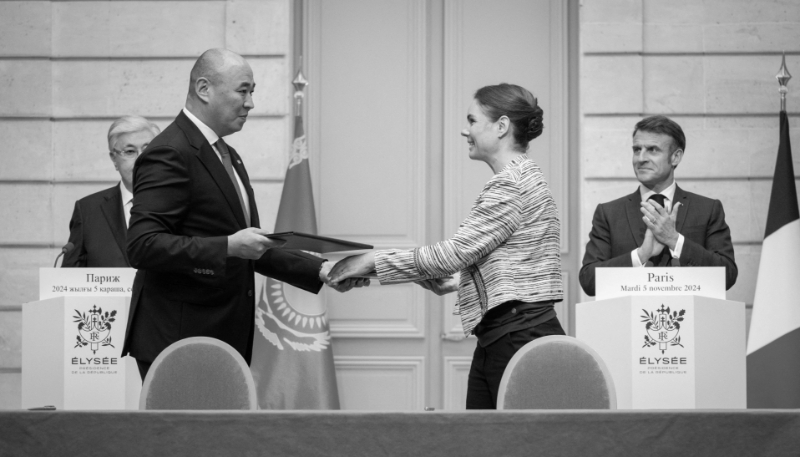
<point>659,224</point>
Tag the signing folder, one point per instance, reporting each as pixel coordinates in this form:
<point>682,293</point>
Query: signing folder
<point>316,243</point>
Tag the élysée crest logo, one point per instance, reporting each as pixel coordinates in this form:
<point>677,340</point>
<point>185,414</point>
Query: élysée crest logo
<point>94,330</point>
<point>663,328</point>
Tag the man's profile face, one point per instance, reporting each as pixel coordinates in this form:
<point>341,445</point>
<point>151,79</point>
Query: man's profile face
<point>654,160</point>
<point>231,98</point>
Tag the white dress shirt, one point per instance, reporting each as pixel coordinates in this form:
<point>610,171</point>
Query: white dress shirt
<point>212,138</point>
<point>669,196</point>
<point>127,203</point>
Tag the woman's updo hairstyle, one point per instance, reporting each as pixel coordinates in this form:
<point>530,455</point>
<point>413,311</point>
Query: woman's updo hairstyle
<point>518,104</point>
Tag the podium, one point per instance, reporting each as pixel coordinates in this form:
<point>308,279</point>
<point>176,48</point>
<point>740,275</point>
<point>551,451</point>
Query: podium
<point>668,346</point>
<point>72,340</point>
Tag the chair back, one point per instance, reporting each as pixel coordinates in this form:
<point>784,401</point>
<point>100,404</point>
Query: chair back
<point>556,372</point>
<point>198,373</point>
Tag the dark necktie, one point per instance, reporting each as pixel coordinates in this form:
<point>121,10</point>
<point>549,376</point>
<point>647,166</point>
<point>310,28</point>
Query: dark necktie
<point>664,255</point>
<point>226,161</point>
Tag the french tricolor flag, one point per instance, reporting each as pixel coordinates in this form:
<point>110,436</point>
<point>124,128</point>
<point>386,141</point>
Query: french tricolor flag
<point>773,346</point>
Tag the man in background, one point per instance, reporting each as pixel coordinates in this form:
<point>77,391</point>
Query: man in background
<point>194,235</point>
<point>659,224</point>
<point>99,224</point>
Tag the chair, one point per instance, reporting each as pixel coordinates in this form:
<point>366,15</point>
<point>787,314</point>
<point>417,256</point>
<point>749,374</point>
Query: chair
<point>198,373</point>
<point>556,372</point>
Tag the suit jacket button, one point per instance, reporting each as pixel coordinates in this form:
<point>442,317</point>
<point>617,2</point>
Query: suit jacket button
<point>249,293</point>
<point>513,310</point>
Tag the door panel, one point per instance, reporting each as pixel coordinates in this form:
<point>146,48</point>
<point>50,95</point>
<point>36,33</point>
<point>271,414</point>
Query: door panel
<point>367,97</point>
<point>380,383</point>
<point>390,83</point>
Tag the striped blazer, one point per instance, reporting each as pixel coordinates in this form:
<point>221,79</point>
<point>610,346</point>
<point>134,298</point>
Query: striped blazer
<point>507,249</point>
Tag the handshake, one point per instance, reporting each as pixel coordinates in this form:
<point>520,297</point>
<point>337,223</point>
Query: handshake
<point>353,271</point>
<point>340,269</point>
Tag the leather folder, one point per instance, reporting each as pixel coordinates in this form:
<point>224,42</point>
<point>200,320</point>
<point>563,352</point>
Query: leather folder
<point>316,243</point>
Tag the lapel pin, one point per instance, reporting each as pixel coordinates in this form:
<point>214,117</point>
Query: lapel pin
<point>238,161</point>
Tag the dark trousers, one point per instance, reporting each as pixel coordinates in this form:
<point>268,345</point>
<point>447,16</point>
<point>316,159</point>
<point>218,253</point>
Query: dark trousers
<point>144,367</point>
<point>489,363</point>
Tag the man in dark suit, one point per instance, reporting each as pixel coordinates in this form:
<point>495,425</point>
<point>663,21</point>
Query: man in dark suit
<point>194,235</point>
<point>659,224</point>
<point>99,223</point>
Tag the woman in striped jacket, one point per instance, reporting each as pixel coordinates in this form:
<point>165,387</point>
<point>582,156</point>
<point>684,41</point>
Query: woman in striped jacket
<point>507,250</point>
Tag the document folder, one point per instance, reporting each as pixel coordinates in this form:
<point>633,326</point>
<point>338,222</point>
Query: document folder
<point>316,243</point>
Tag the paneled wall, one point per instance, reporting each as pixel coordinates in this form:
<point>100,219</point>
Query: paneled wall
<point>67,70</point>
<point>710,65</point>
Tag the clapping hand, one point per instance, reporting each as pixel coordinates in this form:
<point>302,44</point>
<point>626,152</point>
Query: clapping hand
<point>650,247</point>
<point>661,222</point>
<point>343,285</point>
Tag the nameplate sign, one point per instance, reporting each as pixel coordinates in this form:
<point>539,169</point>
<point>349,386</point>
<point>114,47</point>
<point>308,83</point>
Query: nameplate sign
<point>624,282</point>
<point>82,282</point>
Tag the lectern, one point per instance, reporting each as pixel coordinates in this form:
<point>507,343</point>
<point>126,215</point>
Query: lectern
<point>667,345</point>
<point>72,339</point>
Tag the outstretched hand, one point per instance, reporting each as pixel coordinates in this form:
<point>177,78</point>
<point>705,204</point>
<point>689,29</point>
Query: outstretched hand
<point>355,266</point>
<point>341,286</point>
<point>251,243</point>
<point>440,286</point>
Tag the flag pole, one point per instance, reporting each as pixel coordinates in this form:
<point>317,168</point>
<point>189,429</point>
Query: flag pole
<point>783,78</point>
<point>299,82</point>
<point>773,343</point>
<point>292,361</point>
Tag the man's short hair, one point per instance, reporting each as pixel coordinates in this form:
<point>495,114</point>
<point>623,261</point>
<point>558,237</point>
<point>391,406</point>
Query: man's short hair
<point>209,65</point>
<point>665,126</point>
<point>129,124</point>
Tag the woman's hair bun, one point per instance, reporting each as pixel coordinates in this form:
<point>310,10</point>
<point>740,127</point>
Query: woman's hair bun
<point>535,125</point>
<point>518,104</point>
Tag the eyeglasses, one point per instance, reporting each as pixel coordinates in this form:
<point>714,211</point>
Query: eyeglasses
<point>129,152</point>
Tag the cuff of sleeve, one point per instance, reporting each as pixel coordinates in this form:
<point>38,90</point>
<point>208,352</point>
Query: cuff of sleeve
<point>395,266</point>
<point>676,253</point>
<point>635,262</point>
<point>218,255</point>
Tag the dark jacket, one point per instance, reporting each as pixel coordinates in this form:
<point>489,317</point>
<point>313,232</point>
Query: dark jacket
<point>185,207</point>
<point>97,230</point>
<point>618,229</point>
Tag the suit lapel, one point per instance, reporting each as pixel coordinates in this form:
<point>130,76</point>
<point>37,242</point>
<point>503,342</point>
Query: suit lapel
<point>635,217</point>
<point>214,166</point>
<point>115,216</point>
<point>680,196</point>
